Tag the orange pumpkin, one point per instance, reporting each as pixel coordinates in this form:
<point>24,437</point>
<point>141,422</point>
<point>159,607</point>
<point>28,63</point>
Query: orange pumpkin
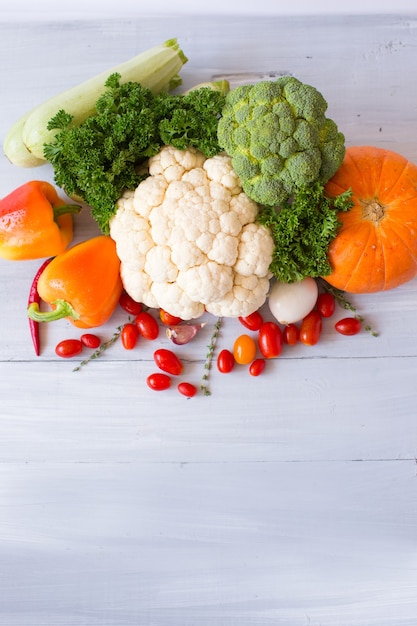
<point>376,246</point>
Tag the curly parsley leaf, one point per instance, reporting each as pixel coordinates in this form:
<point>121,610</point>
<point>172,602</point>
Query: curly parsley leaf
<point>303,229</point>
<point>191,120</point>
<point>101,158</point>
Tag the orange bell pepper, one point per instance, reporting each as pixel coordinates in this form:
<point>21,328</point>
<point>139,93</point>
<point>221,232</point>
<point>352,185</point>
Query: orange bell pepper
<point>35,222</point>
<point>82,284</point>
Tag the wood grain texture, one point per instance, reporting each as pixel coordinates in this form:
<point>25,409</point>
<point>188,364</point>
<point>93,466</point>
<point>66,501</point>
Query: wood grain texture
<point>287,500</point>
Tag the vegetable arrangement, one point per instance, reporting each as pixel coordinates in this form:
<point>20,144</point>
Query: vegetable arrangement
<point>215,201</point>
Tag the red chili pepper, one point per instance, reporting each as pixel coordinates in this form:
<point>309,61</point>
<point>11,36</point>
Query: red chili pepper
<point>35,297</point>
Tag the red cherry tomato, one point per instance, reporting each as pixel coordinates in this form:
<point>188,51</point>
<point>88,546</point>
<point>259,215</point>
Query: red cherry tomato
<point>291,334</point>
<point>348,326</point>
<point>253,321</point>
<point>257,367</point>
<point>147,325</point>
<point>244,349</point>
<point>310,329</point>
<point>168,319</point>
<point>270,340</point>
<point>225,361</point>
<point>129,304</point>
<point>168,361</point>
<point>90,341</point>
<point>187,389</point>
<point>129,336</point>
<point>158,381</point>
<point>326,304</point>
<point>67,348</point>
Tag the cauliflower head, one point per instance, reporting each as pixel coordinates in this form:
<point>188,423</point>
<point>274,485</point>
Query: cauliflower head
<point>188,239</point>
<point>279,138</point>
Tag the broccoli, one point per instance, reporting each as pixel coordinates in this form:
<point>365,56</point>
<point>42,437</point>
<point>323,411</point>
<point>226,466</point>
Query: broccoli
<point>279,138</point>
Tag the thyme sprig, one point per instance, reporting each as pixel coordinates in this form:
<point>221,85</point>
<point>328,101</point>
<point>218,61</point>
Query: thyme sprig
<point>104,346</point>
<point>209,356</point>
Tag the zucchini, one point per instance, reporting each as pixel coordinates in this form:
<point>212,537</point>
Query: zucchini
<point>156,68</point>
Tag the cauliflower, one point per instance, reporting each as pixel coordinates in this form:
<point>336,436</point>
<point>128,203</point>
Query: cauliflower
<point>188,239</point>
<point>279,138</point>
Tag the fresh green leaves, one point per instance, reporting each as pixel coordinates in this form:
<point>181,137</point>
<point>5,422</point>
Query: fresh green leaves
<point>302,229</point>
<point>191,120</point>
<point>100,158</point>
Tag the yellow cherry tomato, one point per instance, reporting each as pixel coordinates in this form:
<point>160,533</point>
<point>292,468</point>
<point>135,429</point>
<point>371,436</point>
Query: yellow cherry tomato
<point>244,349</point>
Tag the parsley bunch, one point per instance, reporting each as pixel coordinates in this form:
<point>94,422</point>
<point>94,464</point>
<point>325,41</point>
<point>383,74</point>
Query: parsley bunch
<point>102,157</point>
<point>302,229</point>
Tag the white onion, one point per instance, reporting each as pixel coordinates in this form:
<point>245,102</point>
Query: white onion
<point>290,302</point>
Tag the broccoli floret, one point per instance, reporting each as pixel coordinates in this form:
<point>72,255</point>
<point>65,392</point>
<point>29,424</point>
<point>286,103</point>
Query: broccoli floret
<point>279,138</point>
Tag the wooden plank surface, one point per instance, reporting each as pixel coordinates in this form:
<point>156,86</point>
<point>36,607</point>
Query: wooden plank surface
<point>284,500</point>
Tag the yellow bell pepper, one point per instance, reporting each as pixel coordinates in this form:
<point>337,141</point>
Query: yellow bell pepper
<point>82,284</point>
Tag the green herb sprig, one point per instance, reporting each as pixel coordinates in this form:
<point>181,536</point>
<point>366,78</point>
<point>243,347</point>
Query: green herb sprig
<point>303,229</point>
<point>104,346</point>
<point>209,356</point>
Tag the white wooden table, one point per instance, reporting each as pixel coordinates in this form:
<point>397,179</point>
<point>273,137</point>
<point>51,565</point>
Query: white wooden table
<point>288,499</point>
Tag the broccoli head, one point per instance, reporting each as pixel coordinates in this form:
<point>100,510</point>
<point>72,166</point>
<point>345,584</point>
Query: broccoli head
<point>279,138</point>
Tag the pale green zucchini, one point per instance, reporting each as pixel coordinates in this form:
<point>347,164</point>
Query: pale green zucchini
<point>156,68</point>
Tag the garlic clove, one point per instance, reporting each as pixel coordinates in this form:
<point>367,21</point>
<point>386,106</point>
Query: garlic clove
<point>183,333</point>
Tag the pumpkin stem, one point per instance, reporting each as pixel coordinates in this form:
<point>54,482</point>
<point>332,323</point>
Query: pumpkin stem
<point>373,210</point>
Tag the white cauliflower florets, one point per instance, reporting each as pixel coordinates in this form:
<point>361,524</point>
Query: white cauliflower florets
<point>188,240</point>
